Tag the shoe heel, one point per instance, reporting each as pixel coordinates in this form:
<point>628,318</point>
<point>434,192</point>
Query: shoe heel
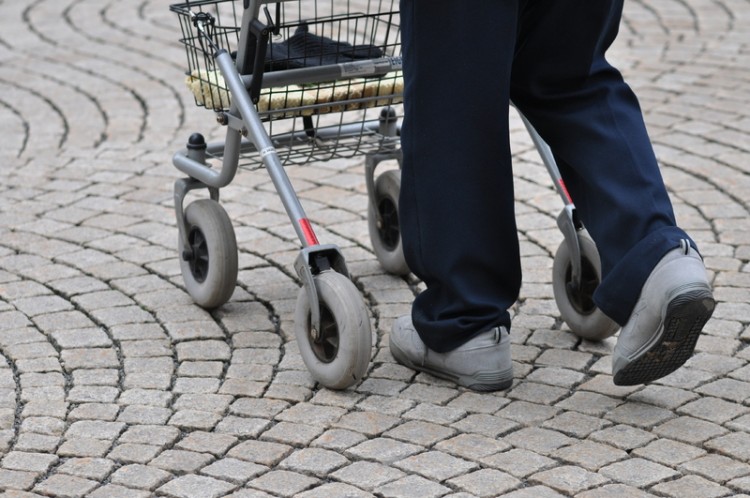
<point>684,320</point>
<point>490,381</point>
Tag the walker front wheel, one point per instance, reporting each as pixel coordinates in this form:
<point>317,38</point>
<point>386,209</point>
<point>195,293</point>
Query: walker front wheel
<point>383,223</point>
<point>576,306</point>
<point>209,263</point>
<point>337,355</point>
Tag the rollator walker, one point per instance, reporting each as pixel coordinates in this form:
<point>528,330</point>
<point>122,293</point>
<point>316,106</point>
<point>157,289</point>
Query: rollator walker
<point>314,80</point>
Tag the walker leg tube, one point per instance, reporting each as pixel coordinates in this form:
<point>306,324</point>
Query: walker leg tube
<point>258,135</point>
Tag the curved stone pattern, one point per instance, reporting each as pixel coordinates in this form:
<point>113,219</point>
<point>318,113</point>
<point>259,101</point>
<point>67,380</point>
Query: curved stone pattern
<point>113,383</point>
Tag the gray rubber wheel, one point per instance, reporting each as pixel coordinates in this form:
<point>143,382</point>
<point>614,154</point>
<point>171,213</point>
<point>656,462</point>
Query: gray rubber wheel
<point>210,272</point>
<point>577,307</point>
<point>338,355</point>
<point>382,221</point>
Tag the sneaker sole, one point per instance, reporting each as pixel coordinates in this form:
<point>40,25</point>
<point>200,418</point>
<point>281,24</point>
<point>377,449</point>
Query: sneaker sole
<point>686,315</point>
<point>482,381</point>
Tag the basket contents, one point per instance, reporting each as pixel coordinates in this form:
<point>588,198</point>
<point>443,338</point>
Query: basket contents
<point>209,90</point>
<point>305,49</point>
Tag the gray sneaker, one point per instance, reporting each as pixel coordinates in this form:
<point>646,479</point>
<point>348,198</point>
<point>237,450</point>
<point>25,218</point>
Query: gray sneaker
<point>675,303</point>
<point>481,364</point>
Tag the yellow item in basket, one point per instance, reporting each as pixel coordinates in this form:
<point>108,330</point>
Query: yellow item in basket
<point>210,91</point>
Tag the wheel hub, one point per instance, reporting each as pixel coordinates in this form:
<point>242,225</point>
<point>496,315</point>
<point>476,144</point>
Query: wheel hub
<point>198,258</point>
<point>324,341</point>
<point>388,227</point>
<point>581,298</point>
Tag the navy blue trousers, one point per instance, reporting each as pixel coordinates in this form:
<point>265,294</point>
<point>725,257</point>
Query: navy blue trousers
<point>463,63</point>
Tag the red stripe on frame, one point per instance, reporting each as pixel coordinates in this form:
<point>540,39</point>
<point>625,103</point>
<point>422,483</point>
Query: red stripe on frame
<point>307,230</point>
<point>565,191</point>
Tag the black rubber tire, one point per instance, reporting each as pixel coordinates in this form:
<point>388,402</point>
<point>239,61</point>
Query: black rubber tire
<point>210,276</point>
<point>383,223</point>
<point>577,308</point>
<point>340,356</point>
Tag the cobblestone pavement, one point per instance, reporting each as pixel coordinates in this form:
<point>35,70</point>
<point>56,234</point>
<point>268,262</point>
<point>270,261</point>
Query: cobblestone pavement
<point>112,383</point>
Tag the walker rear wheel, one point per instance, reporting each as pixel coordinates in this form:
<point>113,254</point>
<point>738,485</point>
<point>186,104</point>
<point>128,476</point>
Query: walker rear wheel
<point>383,223</point>
<point>576,306</point>
<point>209,263</point>
<point>337,355</point>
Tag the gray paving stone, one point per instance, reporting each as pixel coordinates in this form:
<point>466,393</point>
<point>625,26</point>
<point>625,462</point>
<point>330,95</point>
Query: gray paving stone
<point>718,468</point>
<point>30,442</point>
<point>623,437</point>
<point>94,411</point>
<point>84,447</point>
<point>64,485</point>
<point>472,446</point>
<point>316,461</point>
<point>412,486</point>
<point>191,485</point>
<point>43,425</point>
<point>203,350</point>
<point>115,491</point>
<point>181,461</point>
<point>429,393</point>
<point>436,465</point>
<point>615,491</point>
<point>435,413</point>
<point>90,468</point>
<point>527,413</point>
<point>420,433</point>
<point>568,479</point>
<point>140,476</point>
<point>383,450</point>
<point>590,455</point>
<point>540,440</point>
<point>89,358</point>
<point>486,425</point>
<point>689,430</point>
<point>730,389</point>
<point>664,397</point>
<point>668,452</point>
<point>386,405</point>
<point>81,338</point>
<point>692,486</point>
<point>261,452</point>
<point>576,424</point>
<point>29,462</point>
<point>486,482</point>
<point>233,470</point>
<point>518,462</point>
<point>369,423</point>
<point>367,475</point>
<point>538,393</point>
<point>338,439</point>
<point>533,492</point>
<point>638,472</point>
<point>639,415</point>
<point>142,414</point>
<point>134,453</point>
<point>478,403</point>
<point>95,429</point>
<point>283,482</point>
<point>150,397</point>
<point>335,490</point>
<point>16,479</point>
<point>560,377</point>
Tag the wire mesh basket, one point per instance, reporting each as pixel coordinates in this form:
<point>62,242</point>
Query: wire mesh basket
<point>308,119</point>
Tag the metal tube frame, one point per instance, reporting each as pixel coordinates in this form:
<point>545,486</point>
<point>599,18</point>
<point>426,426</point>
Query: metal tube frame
<point>567,220</point>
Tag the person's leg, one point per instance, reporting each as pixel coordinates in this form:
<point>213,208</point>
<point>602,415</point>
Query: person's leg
<point>653,283</point>
<point>592,121</point>
<point>456,204</point>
